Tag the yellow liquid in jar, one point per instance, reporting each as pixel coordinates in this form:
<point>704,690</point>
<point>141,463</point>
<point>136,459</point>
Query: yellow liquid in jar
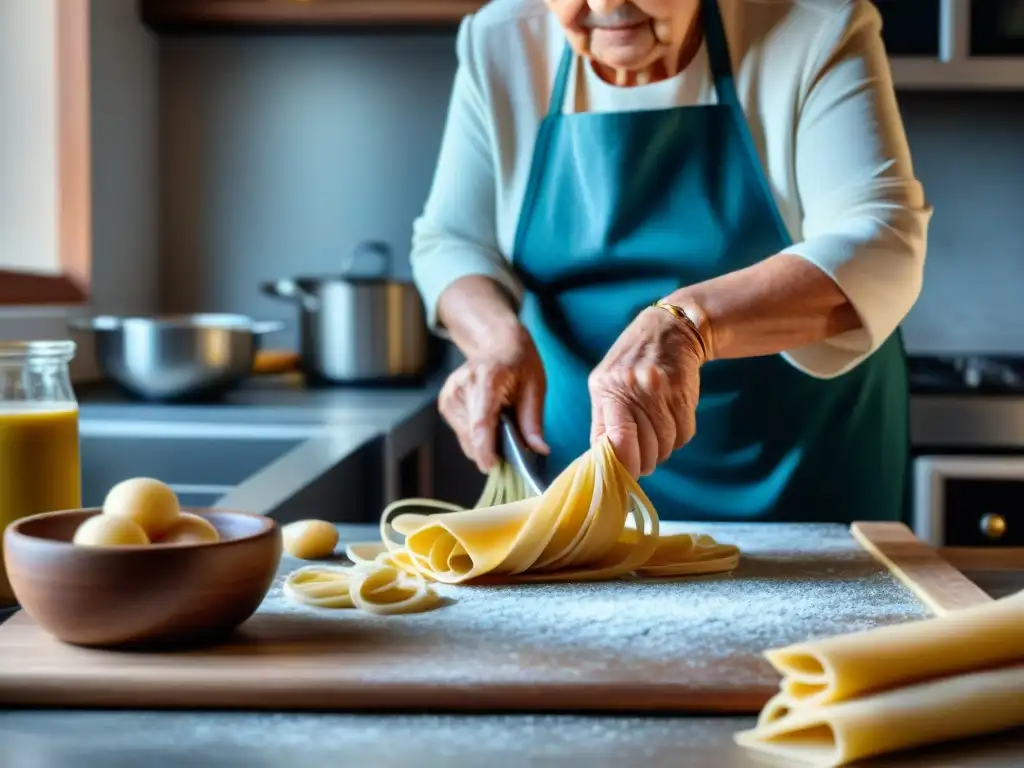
<point>40,469</point>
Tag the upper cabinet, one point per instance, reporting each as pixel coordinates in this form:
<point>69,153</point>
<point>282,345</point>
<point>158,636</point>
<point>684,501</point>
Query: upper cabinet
<point>955,44</point>
<point>933,44</point>
<point>911,28</point>
<point>171,15</point>
<point>997,28</point>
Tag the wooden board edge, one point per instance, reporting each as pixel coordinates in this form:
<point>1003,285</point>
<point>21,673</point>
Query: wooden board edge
<point>934,581</point>
<point>352,696</point>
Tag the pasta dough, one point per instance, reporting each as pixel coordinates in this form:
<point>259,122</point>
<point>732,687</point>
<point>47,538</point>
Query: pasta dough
<point>109,531</point>
<point>594,522</point>
<point>150,504</point>
<point>309,539</point>
<point>853,696</point>
<point>190,529</point>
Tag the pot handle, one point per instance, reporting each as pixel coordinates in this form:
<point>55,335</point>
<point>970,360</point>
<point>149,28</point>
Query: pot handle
<point>377,248</point>
<point>266,326</point>
<point>94,323</point>
<point>286,288</point>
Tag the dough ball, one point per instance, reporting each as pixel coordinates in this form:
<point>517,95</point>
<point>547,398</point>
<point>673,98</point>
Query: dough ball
<point>310,539</point>
<point>110,531</point>
<point>145,501</point>
<point>190,529</point>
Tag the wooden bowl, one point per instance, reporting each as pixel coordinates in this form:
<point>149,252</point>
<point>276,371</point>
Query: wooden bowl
<point>143,595</point>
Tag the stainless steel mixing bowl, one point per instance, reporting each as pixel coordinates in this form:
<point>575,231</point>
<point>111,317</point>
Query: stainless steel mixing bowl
<point>176,357</point>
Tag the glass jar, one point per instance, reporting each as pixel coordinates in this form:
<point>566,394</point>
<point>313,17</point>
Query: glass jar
<point>39,456</point>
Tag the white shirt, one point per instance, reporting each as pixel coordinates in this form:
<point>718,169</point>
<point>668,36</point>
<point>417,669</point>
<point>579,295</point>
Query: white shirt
<point>816,88</point>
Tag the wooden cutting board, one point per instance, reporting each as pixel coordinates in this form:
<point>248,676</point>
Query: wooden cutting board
<point>682,646</point>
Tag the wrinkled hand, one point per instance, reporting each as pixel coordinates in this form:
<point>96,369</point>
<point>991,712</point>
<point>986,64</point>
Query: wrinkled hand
<point>478,390</point>
<point>644,392</point>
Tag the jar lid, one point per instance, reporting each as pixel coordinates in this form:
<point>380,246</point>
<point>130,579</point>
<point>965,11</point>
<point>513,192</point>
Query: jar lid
<point>36,350</point>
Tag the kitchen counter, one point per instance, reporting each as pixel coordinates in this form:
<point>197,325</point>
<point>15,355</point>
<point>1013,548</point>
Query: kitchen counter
<point>213,740</point>
<point>327,426</point>
<point>54,739</point>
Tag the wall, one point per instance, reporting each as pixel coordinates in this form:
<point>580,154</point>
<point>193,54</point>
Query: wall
<point>280,154</point>
<point>125,185</point>
<point>28,147</point>
<point>970,157</point>
<point>125,180</point>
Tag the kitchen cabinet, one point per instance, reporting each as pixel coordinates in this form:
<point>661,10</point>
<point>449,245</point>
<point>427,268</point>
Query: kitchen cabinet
<point>284,15</point>
<point>955,44</point>
<point>933,44</point>
<point>911,29</point>
<point>997,28</point>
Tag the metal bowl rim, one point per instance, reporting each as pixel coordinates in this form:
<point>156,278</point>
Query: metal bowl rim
<point>193,322</point>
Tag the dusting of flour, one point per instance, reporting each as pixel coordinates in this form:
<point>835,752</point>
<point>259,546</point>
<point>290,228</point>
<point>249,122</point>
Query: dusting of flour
<point>794,583</point>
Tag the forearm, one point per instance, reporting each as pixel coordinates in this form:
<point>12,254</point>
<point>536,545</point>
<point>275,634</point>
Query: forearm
<point>478,313</point>
<point>781,303</point>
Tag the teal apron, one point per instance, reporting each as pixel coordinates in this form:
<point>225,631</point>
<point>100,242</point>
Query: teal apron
<point>622,209</point>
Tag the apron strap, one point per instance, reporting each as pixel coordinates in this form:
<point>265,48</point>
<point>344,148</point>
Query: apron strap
<point>718,54</point>
<point>561,82</point>
<point>725,88</point>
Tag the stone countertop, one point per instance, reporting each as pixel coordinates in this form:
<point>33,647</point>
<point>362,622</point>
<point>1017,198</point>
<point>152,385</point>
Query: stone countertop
<point>102,739</point>
<point>219,740</point>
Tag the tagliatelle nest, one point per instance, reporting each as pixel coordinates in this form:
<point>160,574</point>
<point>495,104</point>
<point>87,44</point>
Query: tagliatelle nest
<point>593,523</point>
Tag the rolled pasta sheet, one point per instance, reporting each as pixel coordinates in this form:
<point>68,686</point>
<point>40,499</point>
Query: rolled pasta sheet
<point>386,590</point>
<point>941,710</point>
<point>370,585</point>
<point>365,551</point>
<point>319,586</point>
<point>848,666</point>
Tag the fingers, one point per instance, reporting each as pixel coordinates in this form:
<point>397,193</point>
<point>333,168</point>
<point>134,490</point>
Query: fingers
<point>469,401</point>
<point>653,391</point>
<point>451,404</point>
<point>474,395</point>
<point>634,408</point>
<point>686,425</point>
<point>484,402</point>
<point>617,423</point>
<point>530,414</point>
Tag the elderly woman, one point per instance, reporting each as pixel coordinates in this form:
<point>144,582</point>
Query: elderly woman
<point>691,226</point>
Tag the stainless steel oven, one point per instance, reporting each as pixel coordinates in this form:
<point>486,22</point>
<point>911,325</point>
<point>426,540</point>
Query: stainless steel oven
<point>967,436</point>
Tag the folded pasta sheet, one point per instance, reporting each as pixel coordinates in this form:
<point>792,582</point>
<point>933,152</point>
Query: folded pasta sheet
<point>853,696</point>
<point>940,710</point>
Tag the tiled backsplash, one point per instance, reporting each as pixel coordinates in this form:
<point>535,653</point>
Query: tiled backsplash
<point>281,154</point>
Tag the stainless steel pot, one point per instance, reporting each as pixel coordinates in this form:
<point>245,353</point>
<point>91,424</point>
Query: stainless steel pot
<point>176,357</point>
<point>359,329</point>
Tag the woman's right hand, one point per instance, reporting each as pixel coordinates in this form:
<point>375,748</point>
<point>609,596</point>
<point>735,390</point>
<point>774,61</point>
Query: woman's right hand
<point>508,375</point>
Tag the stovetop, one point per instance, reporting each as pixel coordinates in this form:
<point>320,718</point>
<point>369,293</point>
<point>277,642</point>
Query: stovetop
<point>966,375</point>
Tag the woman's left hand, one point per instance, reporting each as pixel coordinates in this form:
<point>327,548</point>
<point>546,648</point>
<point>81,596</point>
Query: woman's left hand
<point>644,393</point>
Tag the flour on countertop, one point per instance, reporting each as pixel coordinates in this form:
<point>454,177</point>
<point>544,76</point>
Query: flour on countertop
<point>794,583</point>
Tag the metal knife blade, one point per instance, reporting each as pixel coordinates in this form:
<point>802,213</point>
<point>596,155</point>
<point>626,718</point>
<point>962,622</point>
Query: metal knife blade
<point>527,464</point>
